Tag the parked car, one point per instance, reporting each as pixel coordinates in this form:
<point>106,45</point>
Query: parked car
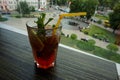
<point>41,9</point>
<point>57,7</point>
<point>106,23</point>
<point>94,20</point>
<point>84,39</point>
<point>73,23</point>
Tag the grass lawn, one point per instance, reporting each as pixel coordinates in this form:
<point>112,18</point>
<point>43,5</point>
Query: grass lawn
<point>102,33</point>
<point>69,41</point>
<point>91,48</point>
<point>102,17</point>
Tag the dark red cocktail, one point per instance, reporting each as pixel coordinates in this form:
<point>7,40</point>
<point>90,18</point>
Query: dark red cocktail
<point>44,46</point>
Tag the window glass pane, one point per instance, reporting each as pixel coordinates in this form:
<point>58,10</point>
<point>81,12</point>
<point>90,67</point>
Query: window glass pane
<point>87,27</point>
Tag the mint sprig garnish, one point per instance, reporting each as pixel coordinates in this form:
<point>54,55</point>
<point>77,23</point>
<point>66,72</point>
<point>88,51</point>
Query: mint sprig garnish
<point>41,23</point>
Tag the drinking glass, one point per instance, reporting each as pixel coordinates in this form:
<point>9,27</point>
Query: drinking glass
<point>44,44</point>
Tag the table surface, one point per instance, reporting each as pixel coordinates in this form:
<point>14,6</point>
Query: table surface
<point>16,62</point>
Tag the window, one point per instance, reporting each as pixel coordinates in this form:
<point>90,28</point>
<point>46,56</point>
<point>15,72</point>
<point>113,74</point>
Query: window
<point>36,2</point>
<point>10,2</point>
<point>11,6</point>
<point>14,2</point>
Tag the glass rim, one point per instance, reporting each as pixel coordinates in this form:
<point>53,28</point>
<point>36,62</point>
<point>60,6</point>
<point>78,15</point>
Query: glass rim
<point>35,26</point>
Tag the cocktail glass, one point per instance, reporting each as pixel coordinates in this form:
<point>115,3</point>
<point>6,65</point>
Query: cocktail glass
<point>44,45</point>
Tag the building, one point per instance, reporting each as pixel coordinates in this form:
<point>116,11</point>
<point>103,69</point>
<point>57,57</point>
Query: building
<point>9,5</point>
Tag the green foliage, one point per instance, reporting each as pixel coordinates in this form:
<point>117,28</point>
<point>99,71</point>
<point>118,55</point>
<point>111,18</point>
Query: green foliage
<point>32,8</point>
<point>102,52</point>
<point>58,2</point>
<point>3,19</point>
<point>68,41</point>
<point>102,17</point>
<point>112,47</point>
<point>40,23</point>
<point>117,8</point>
<point>106,54</point>
<point>18,9</point>
<point>23,8</point>
<point>99,21</point>
<point>18,16</point>
<point>41,20</point>
<point>85,31</point>
<point>108,3</point>
<point>0,16</point>
<point>114,18</point>
<point>100,36</point>
<point>88,6</point>
<point>73,36</point>
<point>100,33</point>
<point>91,41</point>
<point>85,46</point>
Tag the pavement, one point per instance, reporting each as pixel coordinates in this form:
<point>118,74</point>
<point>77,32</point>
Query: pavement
<point>20,24</point>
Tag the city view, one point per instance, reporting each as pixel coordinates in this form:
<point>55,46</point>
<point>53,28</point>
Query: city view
<point>96,33</point>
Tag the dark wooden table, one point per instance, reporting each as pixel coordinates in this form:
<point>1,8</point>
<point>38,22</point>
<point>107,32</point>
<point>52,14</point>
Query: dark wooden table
<point>16,62</point>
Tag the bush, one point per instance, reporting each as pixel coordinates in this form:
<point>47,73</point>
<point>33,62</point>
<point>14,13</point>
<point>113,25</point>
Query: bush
<point>73,36</point>
<point>102,52</point>
<point>99,22</point>
<point>3,19</point>
<point>107,54</point>
<point>28,16</point>
<point>32,8</point>
<point>85,31</point>
<point>85,46</point>
<point>91,41</point>
<point>101,36</point>
<point>112,47</point>
<point>18,16</point>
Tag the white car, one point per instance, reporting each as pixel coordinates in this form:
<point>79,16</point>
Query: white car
<point>41,9</point>
<point>67,10</point>
<point>56,7</point>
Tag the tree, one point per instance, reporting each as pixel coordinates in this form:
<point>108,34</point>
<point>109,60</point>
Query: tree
<point>114,17</point>
<point>114,20</point>
<point>32,8</point>
<point>108,3</point>
<point>58,2</point>
<point>88,6</point>
<point>23,8</point>
<point>0,16</point>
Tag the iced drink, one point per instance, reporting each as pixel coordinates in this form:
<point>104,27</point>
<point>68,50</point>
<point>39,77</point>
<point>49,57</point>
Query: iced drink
<point>44,46</point>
